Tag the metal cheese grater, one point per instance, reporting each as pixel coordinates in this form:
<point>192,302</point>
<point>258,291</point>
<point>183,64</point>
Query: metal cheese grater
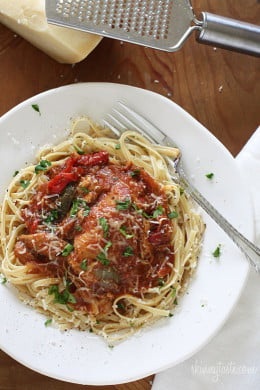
<point>161,24</point>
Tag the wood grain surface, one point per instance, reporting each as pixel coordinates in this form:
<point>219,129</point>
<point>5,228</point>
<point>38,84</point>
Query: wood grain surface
<point>220,88</point>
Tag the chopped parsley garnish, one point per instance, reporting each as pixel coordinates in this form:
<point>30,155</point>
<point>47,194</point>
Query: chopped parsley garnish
<point>76,205</point>
<point>69,308</point>
<point>36,108</point>
<point>171,315</point>
<point>83,203</point>
<point>128,251</point>
<point>42,166</point>
<point>78,228</point>
<point>210,175</point>
<point>135,172</point>
<point>48,322</point>
<point>123,231</point>
<point>15,173</point>
<point>86,212</point>
<point>79,151</point>
<point>217,252</point>
<point>144,214</point>
<point>120,305</point>
<point>102,256</point>
<point>84,264</point>
<point>85,190</point>
<point>63,297</point>
<point>25,183</point>
<point>108,245</point>
<point>52,216</point>
<point>123,205</point>
<point>161,282</point>
<point>103,223</point>
<point>173,291</point>
<point>67,250</point>
<point>158,211</point>
<point>135,207</point>
<point>181,191</point>
<point>4,280</point>
<point>74,208</point>
<point>103,259</point>
<point>117,146</point>
<point>175,301</point>
<point>173,214</point>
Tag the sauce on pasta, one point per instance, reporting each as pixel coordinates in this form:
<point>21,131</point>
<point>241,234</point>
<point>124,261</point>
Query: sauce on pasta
<point>97,235</point>
<point>115,217</point>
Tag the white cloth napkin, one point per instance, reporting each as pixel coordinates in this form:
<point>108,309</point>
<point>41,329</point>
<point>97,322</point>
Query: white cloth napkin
<point>232,359</point>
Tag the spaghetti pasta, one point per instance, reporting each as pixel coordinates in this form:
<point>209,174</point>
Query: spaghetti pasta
<point>97,236</point>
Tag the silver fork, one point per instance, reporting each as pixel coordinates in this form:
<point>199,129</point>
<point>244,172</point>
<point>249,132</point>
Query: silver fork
<point>124,118</point>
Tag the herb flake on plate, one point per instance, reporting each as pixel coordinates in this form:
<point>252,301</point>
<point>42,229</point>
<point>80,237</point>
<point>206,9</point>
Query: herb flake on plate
<point>36,108</point>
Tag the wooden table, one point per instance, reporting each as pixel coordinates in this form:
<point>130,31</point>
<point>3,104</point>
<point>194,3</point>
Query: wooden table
<point>219,88</point>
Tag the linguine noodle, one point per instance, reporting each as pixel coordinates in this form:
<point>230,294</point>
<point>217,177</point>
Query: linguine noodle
<point>139,310</point>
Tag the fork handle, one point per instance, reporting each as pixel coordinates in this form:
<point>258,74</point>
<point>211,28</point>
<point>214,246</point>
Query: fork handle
<point>251,251</point>
<point>230,34</point>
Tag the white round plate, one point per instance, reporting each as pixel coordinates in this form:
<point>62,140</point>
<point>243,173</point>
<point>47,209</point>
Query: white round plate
<point>81,357</point>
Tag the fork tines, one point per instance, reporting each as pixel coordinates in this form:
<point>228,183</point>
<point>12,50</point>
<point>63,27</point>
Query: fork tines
<point>125,118</point>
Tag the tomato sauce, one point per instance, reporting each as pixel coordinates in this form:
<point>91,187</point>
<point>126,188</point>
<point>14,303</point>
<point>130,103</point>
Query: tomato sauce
<point>103,226</point>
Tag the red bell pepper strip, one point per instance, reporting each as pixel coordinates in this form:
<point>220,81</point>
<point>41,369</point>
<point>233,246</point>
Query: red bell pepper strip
<point>60,181</point>
<point>70,163</point>
<point>73,170</point>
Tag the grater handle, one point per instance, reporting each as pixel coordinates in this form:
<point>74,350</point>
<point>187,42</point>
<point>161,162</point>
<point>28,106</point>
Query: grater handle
<point>229,34</point>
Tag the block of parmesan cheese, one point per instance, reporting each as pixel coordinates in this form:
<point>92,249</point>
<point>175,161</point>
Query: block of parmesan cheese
<point>27,18</point>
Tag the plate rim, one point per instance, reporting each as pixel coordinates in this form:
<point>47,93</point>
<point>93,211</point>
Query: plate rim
<point>203,128</point>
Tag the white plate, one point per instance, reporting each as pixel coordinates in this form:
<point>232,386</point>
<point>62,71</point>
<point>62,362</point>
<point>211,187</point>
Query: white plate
<point>81,357</point>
